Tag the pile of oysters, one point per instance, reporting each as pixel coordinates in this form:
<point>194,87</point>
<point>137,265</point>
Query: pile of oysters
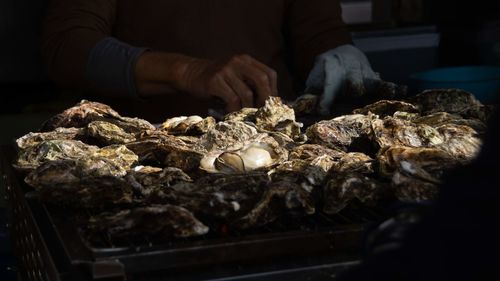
<point>190,174</point>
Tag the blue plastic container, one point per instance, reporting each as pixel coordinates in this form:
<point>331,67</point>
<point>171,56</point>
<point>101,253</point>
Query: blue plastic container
<point>482,81</point>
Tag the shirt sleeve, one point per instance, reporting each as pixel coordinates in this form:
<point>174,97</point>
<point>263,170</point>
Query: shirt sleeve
<point>72,28</point>
<point>314,27</point>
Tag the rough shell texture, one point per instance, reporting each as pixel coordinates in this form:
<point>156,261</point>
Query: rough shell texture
<point>343,189</point>
<point>453,101</point>
<point>164,150</point>
<point>32,139</point>
<point>146,179</point>
<point>91,192</point>
<point>85,112</point>
<point>387,108</point>
<point>106,133</point>
<point>312,151</point>
<point>305,104</point>
<point>460,141</point>
<point>273,113</point>
<point>416,171</point>
<point>192,125</point>
<point>346,133</point>
<point>45,151</point>
<point>246,114</point>
<point>393,131</point>
<point>227,134</point>
<point>154,222</point>
<point>442,118</point>
<point>354,162</point>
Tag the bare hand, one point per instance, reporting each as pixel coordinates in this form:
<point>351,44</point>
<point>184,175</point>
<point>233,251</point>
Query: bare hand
<point>240,81</point>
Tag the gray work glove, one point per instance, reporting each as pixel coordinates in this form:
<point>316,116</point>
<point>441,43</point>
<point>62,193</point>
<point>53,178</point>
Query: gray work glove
<point>344,69</point>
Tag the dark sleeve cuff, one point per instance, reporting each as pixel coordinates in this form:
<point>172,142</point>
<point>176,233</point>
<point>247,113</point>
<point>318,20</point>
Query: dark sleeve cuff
<point>110,67</point>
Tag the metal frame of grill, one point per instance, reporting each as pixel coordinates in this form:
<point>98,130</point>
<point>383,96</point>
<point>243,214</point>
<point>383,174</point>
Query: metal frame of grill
<point>49,246</point>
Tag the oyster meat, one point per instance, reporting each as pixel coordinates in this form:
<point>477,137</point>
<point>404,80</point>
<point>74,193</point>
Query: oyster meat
<point>156,222</point>
<point>259,153</point>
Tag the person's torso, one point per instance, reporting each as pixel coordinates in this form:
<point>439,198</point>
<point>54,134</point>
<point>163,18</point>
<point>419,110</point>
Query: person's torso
<point>209,29</point>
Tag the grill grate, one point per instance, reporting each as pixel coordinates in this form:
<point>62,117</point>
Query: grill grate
<point>47,243</point>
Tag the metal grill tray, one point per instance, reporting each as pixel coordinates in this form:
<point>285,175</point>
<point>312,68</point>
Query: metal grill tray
<point>313,236</point>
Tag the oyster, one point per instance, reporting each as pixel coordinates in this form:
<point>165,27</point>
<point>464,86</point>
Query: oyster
<point>416,172</point>
<point>227,134</point>
<point>387,108</point>
<point>308,173</point>
<point>154,222</point>
<point>107,133</point>
<point>145,179</point>
<point>454,101</point>
<point>50,150</point>
<point>113,161</point>
<point>86,192</point>
<point>273,113</point>
<point>192,125</point>
<point>442,118</point>
<point>343,189</point>
<point>33,139</point>
<point>246,114</point>
<point>354,162</point>
<point>85,112</point>
<point>161,149</point>
<point>305,104</point>
<point>394,131</point>
<point>460,141</point>
<point>259,153</point>
<point>279,199</point>
<point>346,133</point>
<point>312,151</point>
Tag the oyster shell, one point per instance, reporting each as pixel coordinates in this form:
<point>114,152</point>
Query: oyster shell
<point>308,173</point>
<point>259,153</point>
<point>160,149</point>
<point>146,179</point>
<point>227,134</point>
<point>272,113</point>
<point>107,133</point>
<point>32,139</point>
<point>354,162</point>
<point>416,172</point>
<point>86,111</point>
<point>442,118</point>
<point>279,199</point>
<point>394,131</point>
<point>154,222</point>
<point>387,108</point>
<point>346,133</point>
<point>246,114</point>
<point>343,189</point>
<point>460,141</point>
<point>192,125</point>
<point>454,101</point>
<point>312,151</point>
<point>50,150</point>
<point>305,104</point>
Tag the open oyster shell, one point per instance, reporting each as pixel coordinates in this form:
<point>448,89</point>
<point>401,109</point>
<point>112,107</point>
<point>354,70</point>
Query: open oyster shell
<point>260,152</point>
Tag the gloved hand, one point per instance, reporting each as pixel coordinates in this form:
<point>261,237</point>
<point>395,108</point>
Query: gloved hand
<point>344,69</point>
